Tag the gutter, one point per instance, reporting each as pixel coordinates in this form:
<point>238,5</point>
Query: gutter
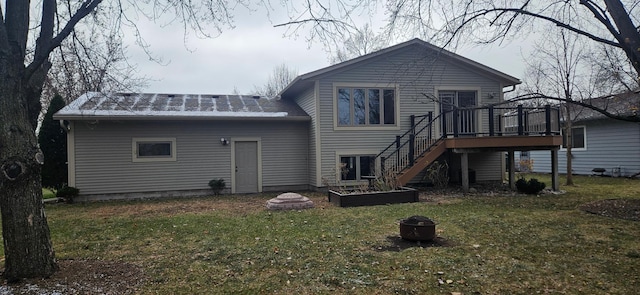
<point>175,118</point>
<point>513,88</point>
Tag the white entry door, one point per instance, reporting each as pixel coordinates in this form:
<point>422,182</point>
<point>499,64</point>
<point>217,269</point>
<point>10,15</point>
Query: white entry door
<point>246,167</point>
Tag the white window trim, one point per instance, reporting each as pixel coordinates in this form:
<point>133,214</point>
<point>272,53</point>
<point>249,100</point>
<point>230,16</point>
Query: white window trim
<point>134,149</point>
<point>353,153</point>
<point>584,130</point>
<point>394,86</point>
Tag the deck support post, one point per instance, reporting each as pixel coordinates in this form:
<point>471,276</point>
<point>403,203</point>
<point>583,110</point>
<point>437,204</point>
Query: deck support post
<point>464,166</point>
<point>555,185</point>
<point>512,169</point>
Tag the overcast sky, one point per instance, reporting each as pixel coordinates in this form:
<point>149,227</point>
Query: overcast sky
<point>243,57</point>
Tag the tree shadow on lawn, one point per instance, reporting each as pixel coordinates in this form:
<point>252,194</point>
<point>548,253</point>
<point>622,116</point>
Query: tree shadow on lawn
<point>397,244</point>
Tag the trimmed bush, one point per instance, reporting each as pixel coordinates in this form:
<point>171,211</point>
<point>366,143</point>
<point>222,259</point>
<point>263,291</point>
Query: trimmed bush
<point>68,193</point>
<point>531,187</point>
<point>217,185</point>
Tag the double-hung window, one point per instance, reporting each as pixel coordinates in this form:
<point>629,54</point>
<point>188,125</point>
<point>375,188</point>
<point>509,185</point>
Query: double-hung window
<point>153,149</point>
<point>366,106</point>
<point>354,167</point>
<point>578,138</point>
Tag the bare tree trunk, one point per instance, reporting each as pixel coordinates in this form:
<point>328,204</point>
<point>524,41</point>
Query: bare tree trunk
<point>569,145</point>
<point>628,35</point>
<point>27,245</point>
<point>569,164</point>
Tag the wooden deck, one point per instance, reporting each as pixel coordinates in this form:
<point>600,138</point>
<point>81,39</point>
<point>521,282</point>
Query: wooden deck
<point>509,129</point>
<point>466,145</point>
<point>504,143</point>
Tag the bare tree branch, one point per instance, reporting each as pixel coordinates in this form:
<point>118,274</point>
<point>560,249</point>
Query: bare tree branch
<point>628,35</point>
<point>632,116</point>
<point>17,32</point>
<point>518,11</point>
<point>42,55</point>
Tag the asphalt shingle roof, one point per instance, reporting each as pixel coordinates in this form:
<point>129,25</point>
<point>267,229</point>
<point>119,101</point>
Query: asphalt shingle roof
<point>625,104</point>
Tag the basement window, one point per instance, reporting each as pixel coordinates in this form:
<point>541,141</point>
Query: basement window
<point>153,149</point>
<point>355,167</point>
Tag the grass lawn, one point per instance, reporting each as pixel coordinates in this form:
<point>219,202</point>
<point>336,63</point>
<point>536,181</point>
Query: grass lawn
<point>494,244</point>
<point>48,194</point>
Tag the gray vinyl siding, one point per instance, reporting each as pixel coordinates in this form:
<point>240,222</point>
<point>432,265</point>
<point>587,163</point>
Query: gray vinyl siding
<point>487,166</point>
<point>103,155</point>
<point>415,79</point>
<point>609,144</point>
<point>307,101</point>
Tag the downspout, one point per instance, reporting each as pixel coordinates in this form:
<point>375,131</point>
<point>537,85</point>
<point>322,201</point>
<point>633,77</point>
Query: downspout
<point>513,88</point>
<point>71,157</point>
<point>512,158</point>
<point>64,126</point>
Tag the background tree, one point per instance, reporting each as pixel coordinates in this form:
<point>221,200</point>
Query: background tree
<point>613,73</point>
<point>53,143</point>
<point>559,67</point>
<point>101,67</point>
<point>361,42</point>
<point>279,78</point>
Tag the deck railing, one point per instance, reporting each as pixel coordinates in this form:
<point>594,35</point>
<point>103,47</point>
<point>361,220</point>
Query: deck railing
<point>501,121</point>
<point>495,121</point>
<point>402,153</point>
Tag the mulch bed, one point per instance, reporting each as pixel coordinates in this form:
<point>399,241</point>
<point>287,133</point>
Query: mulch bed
<point>628,209</point>
<point>85,276</point>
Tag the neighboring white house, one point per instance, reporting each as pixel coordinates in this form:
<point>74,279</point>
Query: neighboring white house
<point>339,117</point>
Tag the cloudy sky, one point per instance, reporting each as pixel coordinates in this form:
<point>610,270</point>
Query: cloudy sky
<point>243,57</point>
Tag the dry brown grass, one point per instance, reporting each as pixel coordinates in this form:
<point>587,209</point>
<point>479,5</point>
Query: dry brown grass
<point>489,242</point>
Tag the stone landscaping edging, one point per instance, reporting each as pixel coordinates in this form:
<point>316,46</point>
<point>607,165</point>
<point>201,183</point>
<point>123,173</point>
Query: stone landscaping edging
<point>289,201</point>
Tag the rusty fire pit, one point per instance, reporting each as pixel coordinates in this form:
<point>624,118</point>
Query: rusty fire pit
<point>417,228</point>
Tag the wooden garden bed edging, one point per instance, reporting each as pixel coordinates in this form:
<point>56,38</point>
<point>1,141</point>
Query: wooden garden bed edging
<point>403,195</point>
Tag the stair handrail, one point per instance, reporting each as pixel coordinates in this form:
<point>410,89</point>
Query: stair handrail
<point>402,141</point>
<point>401,136</point>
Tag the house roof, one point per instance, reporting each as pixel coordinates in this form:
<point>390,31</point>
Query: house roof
<point>303,81</point>
<point>145,106</point>
<point>626,104</point>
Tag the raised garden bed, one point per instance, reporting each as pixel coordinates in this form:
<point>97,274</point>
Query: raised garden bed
<point>353,199</point>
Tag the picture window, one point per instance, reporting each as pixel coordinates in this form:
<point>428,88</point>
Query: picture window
<point>153,149</point>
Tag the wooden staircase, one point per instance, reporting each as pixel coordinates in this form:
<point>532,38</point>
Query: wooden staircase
<point>429,137</point>
<point>509,128</point>
<point>413,151</point>
<point>422,162</point>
